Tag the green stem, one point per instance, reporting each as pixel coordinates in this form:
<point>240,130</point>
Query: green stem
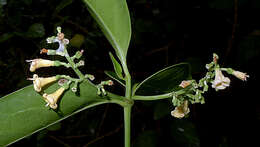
<point>127,80</point>
<point>154,97</point>
<point>73,65</point>
<point>127,109</point>
<point>127,122</point>
<point>58,63</point>
<point>70,78</point>
<point>158,97</point>
<point>113,98</point>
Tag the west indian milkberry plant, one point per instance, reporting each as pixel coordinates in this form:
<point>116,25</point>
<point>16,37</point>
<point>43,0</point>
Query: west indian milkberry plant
<point>52,99</point>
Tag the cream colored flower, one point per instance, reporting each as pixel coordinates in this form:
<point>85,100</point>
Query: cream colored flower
<point>39,83</point>
<point>52,99</point>
<point>220,82</point>
<point>184,84</point>
<point>242,76</point>
<point>38,63</point>
<point>181,111</point>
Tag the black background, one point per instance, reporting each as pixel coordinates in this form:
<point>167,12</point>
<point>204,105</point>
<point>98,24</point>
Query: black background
<point>164,32</point>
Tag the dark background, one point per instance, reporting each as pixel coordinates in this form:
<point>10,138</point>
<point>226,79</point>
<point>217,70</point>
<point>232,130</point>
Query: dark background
<point>164,32</point>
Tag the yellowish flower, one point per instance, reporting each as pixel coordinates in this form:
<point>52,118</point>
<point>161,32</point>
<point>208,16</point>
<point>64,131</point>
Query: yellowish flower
<point>39,83</point>
<point>38,63</point>
<point>52,99</point>
<point>242,76</point>
<point>220,82</point>
<point>184,84</point>
<point>181,111</point>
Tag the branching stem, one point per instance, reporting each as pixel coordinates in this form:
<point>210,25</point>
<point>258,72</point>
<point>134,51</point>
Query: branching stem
<point>73,65</point>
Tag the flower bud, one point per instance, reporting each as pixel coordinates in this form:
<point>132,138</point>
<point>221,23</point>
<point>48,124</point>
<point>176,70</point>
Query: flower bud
<point>81,63</point>
<point>110,82</point>
<point>89,76</point>
<point>38,63</point>
<point>185,84</point>
<point>242,76</point>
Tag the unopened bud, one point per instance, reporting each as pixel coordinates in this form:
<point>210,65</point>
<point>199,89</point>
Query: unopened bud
<point>242,76</point>
<point>185,84</point>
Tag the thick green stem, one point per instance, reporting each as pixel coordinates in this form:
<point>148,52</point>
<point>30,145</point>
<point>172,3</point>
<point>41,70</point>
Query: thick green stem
<point>127,122</point>
<point>127,80</point>
<point>127,109</point>
<point>113,98</point>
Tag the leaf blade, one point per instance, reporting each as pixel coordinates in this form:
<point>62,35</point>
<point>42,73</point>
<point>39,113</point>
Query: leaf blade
<point>114,20</point>
<point>23,112</point>
<point>164,81</point>
<point>117,66</point>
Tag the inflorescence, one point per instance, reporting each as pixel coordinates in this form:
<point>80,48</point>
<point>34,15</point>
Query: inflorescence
<point>64,81</point>
<point>193,91</point>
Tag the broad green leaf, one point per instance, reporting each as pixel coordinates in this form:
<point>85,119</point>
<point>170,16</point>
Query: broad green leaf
<point>114,76</point>
<point>23,112</point>
<point>117,66</point>
<point>114,20</point>
<point>164,81</point>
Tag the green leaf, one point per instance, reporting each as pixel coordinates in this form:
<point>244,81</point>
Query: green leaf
<point>114,20</point>
<point>23,112</point>
<point>164,81</point>
<point>117,66</point>
<point>35,31</point>
<point>114,76</point>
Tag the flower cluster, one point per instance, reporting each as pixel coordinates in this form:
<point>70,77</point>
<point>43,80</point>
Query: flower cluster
<point>101,89</point>
<point>64,80</point>
<point>192,92</point>
<point>62,44</point>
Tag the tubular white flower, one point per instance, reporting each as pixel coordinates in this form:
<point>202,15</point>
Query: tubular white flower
<point>52,99</point>
<point>39,83</point>
<point>38,63</point>
<point>220,82</point>
<point>242,76</point>
<point>181,111</point>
